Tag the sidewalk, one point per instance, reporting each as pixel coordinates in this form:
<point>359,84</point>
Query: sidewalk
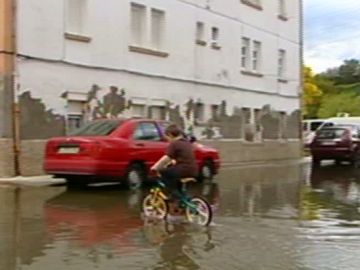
<point>41,180</point>
<point>47,180</point>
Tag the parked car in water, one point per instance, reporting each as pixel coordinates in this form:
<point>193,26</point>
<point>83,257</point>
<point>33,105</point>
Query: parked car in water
<point>309,128</point>
<point>337,142</point>
<point>117,150</point>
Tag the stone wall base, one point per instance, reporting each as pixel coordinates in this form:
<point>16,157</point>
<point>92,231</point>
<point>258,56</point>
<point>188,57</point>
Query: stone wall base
<point>31,157</point>
<point>236,151</point>
<point>232,152</point>
<point>7,166</point>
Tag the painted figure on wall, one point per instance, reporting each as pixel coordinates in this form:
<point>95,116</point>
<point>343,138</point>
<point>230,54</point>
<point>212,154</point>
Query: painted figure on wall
<point>114,103</point>
<point>93,104</point>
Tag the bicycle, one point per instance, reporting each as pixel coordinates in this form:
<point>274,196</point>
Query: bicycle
<point>156,204</point>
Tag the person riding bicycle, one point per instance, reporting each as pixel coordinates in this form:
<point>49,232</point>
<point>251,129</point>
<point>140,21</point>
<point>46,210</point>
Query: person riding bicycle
<point>181,158</point>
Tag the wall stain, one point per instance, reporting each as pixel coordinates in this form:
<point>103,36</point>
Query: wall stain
<point>270,122</point>
<point>264,123</point>
<point>293,125</point>
<point>37,122</point>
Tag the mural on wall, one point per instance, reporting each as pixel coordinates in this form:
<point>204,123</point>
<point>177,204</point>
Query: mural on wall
<point>112,105</point>
<point>174,114</point>
<point>37,122</point>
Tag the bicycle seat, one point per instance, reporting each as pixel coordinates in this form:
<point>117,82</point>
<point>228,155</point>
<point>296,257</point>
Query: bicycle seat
<point>188,180</point>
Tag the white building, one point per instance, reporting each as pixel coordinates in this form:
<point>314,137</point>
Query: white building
<point>231,67</point>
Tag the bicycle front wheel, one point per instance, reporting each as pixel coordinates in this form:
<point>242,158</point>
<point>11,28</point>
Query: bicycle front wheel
<point>199,211</point>
<point>155,206</point>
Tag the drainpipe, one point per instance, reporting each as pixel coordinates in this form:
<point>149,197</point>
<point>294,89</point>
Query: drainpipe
<point>301,86</point>
<point>14,88</point>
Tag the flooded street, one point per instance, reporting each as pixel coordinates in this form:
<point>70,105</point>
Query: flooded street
<point>274,217</point>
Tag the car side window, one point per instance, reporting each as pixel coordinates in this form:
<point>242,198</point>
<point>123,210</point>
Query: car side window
<point>315,125</point>
<point>147,132</point>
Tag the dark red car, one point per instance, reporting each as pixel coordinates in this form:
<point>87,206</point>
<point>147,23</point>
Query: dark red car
<point>116,150</point>
<point>339,143</point>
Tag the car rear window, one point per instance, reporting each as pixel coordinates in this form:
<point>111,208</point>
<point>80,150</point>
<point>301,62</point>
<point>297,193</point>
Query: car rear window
<point>333,133</point>
<point>97,128</point>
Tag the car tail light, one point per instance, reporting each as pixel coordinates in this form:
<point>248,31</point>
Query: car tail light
<point>92,148</point>
<point>51,147</point>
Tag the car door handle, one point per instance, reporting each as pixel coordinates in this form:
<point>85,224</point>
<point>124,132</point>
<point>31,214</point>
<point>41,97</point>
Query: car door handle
<point>140,144</point>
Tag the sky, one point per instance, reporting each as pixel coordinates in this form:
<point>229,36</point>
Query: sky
<point>331,32</point>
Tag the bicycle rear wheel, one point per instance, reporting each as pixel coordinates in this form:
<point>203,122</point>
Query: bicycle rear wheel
<point>155,206</point>
<point>199,212</point>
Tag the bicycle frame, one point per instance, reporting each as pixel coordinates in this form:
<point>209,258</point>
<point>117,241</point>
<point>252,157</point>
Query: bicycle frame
<point>158,191</point>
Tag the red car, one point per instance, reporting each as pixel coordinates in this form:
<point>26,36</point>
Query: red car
<point>121,149</point>
<point>339,143</point>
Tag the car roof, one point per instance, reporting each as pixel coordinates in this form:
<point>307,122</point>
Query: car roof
<point>344,126</point>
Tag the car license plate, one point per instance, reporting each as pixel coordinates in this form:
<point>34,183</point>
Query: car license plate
<point>68,150</point>
<point>328,143</point>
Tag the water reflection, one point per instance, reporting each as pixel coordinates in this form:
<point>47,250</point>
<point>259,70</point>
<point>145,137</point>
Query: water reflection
<point>274,217</point>
<point>180,246</point>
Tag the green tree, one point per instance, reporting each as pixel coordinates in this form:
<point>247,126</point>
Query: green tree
<point>347,73</point>
<point>348,102</point>
<point>312,95</point>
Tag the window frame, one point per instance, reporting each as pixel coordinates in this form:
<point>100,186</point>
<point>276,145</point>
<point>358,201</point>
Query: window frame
<point>256,56</point>
<point>245,56</point>
<point>282,59</point>
<point>138,38</point>
<point>158,42</point>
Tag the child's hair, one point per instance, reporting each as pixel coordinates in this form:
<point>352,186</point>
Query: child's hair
<point>173,131</point>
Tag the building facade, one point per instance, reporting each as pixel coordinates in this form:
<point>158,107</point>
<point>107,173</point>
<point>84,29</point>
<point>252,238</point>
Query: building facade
<point>228,71</point>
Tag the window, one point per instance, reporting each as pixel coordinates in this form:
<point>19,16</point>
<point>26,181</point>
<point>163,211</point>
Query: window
<point>75,109</point>
<point>157,28</point>
<point>282,8</point>
<point>200,32</point>
<point>138,23</point>
<point>138,110</point>
<point>76,16</point>
<point>215,38</point>
<point>215,112</point>
<point>214,34</point>
<point>147,132</point>
<point>199,113</point>
<point>246,115</point>
<point>256,56</point>
<point>158,112</point>
<point>74,121</point>
<point>97,128</point>
<point>315,125</point>
<point>282,64</point>
<point>245,53</point>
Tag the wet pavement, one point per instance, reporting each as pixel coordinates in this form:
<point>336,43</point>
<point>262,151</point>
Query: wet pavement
<point>274,217</point>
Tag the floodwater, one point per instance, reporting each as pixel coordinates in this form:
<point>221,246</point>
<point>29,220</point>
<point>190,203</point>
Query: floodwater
<point>274,217</point>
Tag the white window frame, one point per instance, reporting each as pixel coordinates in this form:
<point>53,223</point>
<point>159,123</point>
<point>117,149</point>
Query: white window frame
<point>138,24</point>
<point>157,29</point>
<point>245,53</point>
<point>256,56</point>
<point>282,8</point>
<point>215,34</point>
<point>76,17</point>
<point>200,31</point>
<point>282,63</point>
